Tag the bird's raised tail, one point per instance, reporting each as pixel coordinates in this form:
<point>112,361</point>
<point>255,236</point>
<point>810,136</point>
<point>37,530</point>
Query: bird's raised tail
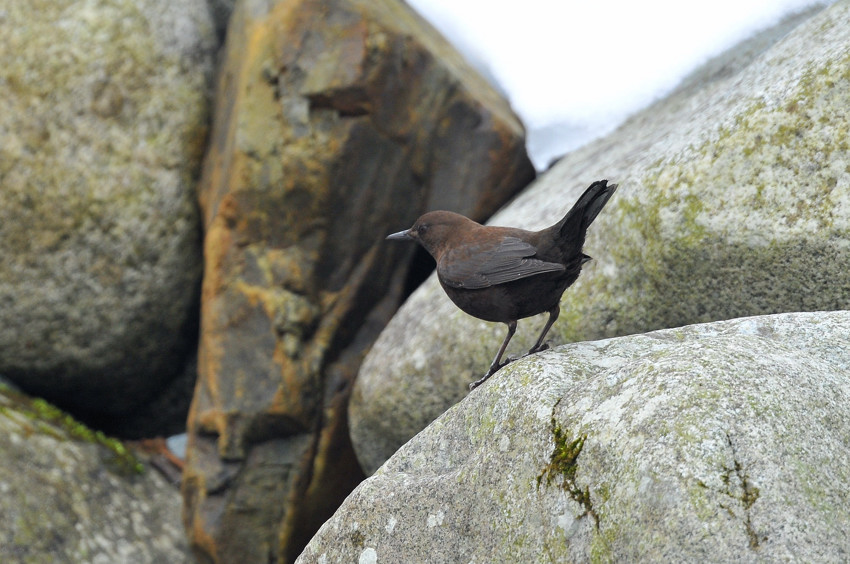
<point>574,225</point>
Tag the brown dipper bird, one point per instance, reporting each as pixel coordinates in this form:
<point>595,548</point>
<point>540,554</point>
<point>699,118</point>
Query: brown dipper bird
<point>504,273</point>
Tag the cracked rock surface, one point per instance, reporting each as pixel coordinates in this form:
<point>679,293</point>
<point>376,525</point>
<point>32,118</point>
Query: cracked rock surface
<point>720,442</point>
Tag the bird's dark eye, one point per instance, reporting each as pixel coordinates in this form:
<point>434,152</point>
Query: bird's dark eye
<point>422,228</point>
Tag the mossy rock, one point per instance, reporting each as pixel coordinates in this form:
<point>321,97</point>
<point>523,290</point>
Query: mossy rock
<point>71,494</point>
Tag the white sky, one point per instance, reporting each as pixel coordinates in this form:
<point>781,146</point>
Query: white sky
<point>577,68</point>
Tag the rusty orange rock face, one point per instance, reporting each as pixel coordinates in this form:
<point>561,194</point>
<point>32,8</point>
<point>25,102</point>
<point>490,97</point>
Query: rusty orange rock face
<point>335,122</point>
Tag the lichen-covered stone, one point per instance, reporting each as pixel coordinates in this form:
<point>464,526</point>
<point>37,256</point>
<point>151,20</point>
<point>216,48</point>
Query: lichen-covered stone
<point>69,494</point>
<point>336,123</point>
<point>104,121</point>
<point>722,442</point>
<point>734,200</point>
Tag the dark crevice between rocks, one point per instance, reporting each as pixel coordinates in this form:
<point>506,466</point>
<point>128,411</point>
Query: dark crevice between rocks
<point>156,412</point>
<point>163,413</point>
<point>563,464</point>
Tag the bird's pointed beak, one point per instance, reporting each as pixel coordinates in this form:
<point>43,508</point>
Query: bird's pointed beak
<point>400,235</point>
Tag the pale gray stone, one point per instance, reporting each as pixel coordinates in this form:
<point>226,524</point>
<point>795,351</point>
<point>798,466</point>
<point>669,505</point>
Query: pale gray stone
<point>70,495</point>
<point>721,442</point>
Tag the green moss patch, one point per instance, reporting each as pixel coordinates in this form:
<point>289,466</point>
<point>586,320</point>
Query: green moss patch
<point>563,465</point>
<point>45,418</point>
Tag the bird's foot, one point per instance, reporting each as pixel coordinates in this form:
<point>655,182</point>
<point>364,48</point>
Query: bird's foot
<point>493,369</point>
<point>481,380</point>
<point>537,349</point>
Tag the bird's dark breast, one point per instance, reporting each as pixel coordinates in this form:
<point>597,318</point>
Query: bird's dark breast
<point>513,300</point>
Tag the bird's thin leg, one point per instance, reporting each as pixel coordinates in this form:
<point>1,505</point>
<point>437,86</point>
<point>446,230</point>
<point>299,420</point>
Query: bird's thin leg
<point>496,366</point>
<point>553,316</point>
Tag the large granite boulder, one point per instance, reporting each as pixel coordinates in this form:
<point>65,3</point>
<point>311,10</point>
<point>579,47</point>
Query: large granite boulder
<point>69,494</point>
<point>734,200</point>
<point>336,123</point>
<point>104,120</point>
<point>722,442</point>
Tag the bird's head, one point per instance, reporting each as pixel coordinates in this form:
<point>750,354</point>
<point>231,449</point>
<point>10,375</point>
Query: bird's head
<point>435,230</point>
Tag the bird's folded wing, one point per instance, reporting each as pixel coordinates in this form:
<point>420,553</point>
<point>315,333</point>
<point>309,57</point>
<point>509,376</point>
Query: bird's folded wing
<point>480,266</point>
